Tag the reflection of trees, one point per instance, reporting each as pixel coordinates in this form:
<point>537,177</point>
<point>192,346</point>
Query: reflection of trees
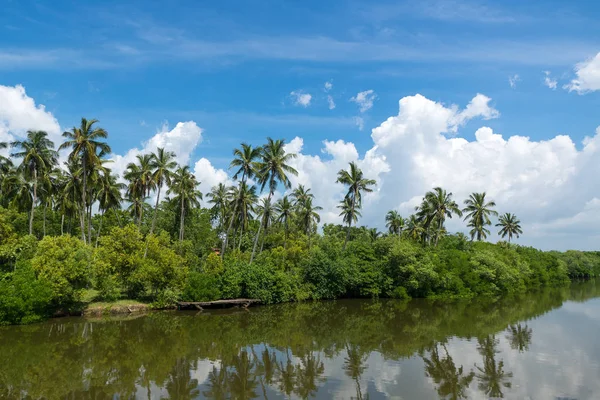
<point>451,382</point>
<point>242,382</point>
<point>308,374</point>
<point>287,376</point>
<point>355,365</point>
<point>180,384</point>
<point>492,377</point>
<point>217,382</point>
<point>519,337</point>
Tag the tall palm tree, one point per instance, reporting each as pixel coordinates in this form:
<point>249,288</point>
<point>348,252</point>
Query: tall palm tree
<point>284,210</point>
<point>437,205</point>
<point>414,228</point>
<point>219,198</point>
<point>265,213</point>
<point>245,199</point>
<point>301,195</point>
<point>162,164</point>
<point>357,184</point>
<point>349,214</point>
<point>394,222</point>
<point>141,182</point>
<point>245,160</point>
<point>18,190</point>
<point>5,162</point>
<point>510,226</point>
<point>86,144</point>
<point>185,187</point>
<point>273,169</point>
<point>109,197</point>
<point>38,158</point>
<point>309,217</point>
<point>478,212</point>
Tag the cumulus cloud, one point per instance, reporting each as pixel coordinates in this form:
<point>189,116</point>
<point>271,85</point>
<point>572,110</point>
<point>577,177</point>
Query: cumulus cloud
<point>209,176</point>
<point>182,140</point>
<point>328,86</point>
<point>19,113</point>
<point>588,76</point>
<point>364,100</point>
<point>549,81</point>
<point>300,98</point>
<point>512,80</point>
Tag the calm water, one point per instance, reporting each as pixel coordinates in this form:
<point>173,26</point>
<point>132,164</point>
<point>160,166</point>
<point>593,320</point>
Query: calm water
<point>540,346</point>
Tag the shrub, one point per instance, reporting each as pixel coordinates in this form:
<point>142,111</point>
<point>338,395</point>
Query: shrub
<point>23,297</point>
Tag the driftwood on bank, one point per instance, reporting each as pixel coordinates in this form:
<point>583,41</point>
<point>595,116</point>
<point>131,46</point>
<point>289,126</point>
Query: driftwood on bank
<point>199,305</point>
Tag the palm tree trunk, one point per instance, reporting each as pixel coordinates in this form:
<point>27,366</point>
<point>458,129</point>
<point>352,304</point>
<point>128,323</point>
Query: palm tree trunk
<point>100,228</point>
<point>155,210</point>
<point>224,246</point>
<point>89,214</point>
<point>33,202</point>
<point>142,213</point>
<point>439,231</point>
<point>83,202</point>
<point>62,224</point>
<point>258,233</point>
<point>349,223</point>
<point>241,236</point>
<point>262,241</point>
<point>181,222</point>
<point>118,217</point>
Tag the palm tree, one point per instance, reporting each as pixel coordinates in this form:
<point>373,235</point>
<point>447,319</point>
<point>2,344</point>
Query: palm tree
<point>109,196</point>
<point>5,162</point>
<point>219,198</point>
<point>510,226</point>
<point>356,185</point>
<point>437,205</point>
<point>271,170</point>
<point>245,199</point>
<point>301,195</point>
<point>39,156</point>
<point>244,160</point>
<point>284,211</point>
<point>394,222</point>
<point>162,164</point>
<point>478,213</point>
<point>184,186</point>
<point>18,190</point>
<point>374,234</point>
<point>309,217</point>
<point>349,214</point>
<point>414,228</point>
<point>86,145</point>
<point>141,182</point>
<point>264,212</point>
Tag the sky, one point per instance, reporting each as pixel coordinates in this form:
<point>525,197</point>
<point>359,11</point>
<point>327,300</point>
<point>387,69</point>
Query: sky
<point>470,95</point>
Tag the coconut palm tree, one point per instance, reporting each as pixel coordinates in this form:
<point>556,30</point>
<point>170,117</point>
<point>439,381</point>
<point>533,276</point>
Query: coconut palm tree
<point>38,159</point>
<point>141,182</point>
<point>394,222</point>
<point>309,217</point>
<point>219,198</point>
<point>162,164</point>
<point>245,199</point>
<point>273,169</point>
<point>349,214</point>
<point>87,145</point>
<point>357,184</point>
<point>266,214</point>
<point>301,195</point>
<point>109,196</point>
<point>284,210</point>
<point>184,185</point>
<point>510,226</point>
<point>5,162</point>
<point>478,212</point>
<point>436,207</point>
<point>18,190</point>
<point>414,228</point>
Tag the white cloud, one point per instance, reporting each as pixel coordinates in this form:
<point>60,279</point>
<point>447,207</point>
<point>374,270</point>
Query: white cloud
<point>300,98</point>
<point>330,102</point>
<point>182,140</point>
<point>588,76</point>
<point>549,81</point>
<point>209,176</point>
<point>360,122</point>
<point>512,80</point>
<point>328,86</point>
<point>364,100</point>
<point>19,113</point>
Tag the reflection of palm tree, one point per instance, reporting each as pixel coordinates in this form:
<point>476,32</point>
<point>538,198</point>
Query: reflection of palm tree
<point>180,384</point>
<point>242,382</point>
<point>308,374</point>
<point>355,365</point>
<point>450,381</point>
<point>519,337</point>
<point>218,381</point>
<point>287,377</point>
<point>492,377</point>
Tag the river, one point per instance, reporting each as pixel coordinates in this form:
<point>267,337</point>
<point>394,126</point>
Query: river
<point>542,345</point>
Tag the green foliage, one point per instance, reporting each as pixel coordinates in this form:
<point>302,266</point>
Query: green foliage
<point>64,262</point>
<point>202,287</point>
<point>23,297</point>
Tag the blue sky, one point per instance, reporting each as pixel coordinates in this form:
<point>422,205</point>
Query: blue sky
<point>231,67</point>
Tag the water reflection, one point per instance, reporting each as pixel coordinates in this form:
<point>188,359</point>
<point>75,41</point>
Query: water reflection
<point>345,349</point>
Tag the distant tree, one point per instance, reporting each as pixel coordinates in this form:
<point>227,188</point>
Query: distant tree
<point>478,212</point>
<point>510,226</point>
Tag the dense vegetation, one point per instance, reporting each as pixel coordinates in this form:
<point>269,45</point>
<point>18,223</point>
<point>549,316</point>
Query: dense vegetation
<point>71,230</point>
